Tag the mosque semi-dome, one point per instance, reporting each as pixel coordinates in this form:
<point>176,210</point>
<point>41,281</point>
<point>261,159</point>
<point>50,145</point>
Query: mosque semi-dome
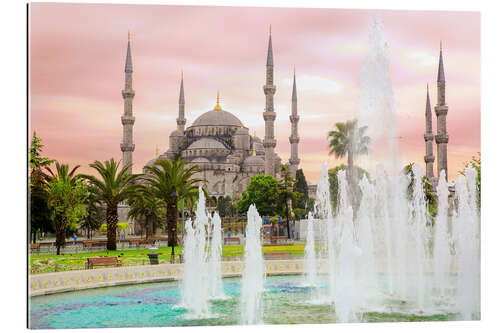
<point>206,143</point>
<point>254,161</point>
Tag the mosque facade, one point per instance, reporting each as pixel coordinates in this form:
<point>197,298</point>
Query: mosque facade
<point>217,141</point>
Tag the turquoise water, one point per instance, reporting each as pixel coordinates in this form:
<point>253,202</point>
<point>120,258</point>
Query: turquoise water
<point>285,301</point>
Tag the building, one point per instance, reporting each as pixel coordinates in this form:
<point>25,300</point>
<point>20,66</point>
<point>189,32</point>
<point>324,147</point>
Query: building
<point>217,141</point>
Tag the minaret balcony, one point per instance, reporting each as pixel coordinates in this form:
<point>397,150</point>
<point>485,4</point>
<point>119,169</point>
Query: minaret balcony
<point>294,161</point>
<point>269,115</point>
<point>128,120</point>
<point>128,93</point>
<point>441,110</point>
<point>269,89</point>
<point>181,122</point>
<point>429,158</point>
<point>294,139</point>
<point>127,147</point>
<point>428,137</point>
<point>294,118</point>
<point>269,143</point>
<point>442,138</point>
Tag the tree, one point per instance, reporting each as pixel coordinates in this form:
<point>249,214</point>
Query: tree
<point>301,187</point>
<point>225,206</point>
<point>67,194</point>
<point>287,197</point>
<point>146,207</point>
<point>115,186</point>
<point>171,182</point>
<point>334,182</point>
<point>262,191</point>
<point>39,213</point>
<point>348,139</point>
<point>95,216</point>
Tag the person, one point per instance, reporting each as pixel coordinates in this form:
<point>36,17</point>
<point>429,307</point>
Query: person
<point>74,238</point>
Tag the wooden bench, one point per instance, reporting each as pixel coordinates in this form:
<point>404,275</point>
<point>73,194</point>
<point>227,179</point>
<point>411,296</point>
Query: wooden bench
<point>92,243</point>
<point>278,255</point>
<point>103,261</point>
<point>281,240</point>
<point>138,242</point>
<point>34,247</point>
<point>231,240</point>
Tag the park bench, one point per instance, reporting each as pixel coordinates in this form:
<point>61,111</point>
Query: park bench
<point>92,243</point>
<point>103,261</point>
<point>34,247</point>
<point>231,240</point>
<point>138,242</point>
<point>278,255</point>
<point>281,240</point>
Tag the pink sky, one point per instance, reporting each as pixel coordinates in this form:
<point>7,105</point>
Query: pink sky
<point>77,58</point>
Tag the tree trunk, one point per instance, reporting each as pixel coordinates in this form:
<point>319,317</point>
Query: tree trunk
<point>60,233</point>
<point>172,226</point>
<point>34,237</point>
<point>149,227</point>
<point>350,166</point>
<point>287,221</point>
<point>111,221</point>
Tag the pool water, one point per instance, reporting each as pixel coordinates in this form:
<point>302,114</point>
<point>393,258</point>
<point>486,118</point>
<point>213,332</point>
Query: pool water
<point>285,301</point>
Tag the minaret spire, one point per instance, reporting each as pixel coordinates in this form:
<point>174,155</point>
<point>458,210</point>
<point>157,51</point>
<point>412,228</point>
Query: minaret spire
<point>127,146</point>
<point>181,120</point>
<point>294,137</point>
<point>269,114</point>
<point>441,110</point>
<point>428,137</point>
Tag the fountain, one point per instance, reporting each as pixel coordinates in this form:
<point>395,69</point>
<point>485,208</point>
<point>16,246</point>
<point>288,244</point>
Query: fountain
<point>252,284</point>
<point>195,281</point>
<point>310,253</point>
<point>441,252</point>
<point>215,290</point>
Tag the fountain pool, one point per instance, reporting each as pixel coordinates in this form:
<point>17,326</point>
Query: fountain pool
<point>285,300</point>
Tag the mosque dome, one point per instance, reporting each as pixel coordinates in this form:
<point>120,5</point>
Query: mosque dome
<point>200,160</point>
<point>241,131</point>
<point>217,118</point>
<point>206,143</point>
<point>151,162</point>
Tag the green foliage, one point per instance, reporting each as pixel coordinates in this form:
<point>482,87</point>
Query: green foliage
<point>103,228</point>
<point>273,220</point>
<point>114,186</point>
<point>67,194</point>
<point>39,213</point>
<point>95,216</point>
<point>348,139</point>
<point>334,182</point>
<point>301,187</point>
<point>147,209</point>
<point>121,226</point>
<point>430,197</point>
<point>263,191</point>
<point>225,206</point>
<point>172,182</point>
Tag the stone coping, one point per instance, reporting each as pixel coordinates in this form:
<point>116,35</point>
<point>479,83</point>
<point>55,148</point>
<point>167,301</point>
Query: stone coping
<point>51,283</point>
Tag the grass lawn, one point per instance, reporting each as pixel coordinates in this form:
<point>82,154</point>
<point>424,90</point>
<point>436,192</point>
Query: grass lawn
<point>45,263</point>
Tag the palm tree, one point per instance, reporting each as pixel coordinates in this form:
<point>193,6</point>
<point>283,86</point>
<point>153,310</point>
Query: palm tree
<point>66,197</point>
<point>144,205</point>
<point>115,186</point>
<point>171,182</point>
<point>348,139</point>
<point>287,196</point>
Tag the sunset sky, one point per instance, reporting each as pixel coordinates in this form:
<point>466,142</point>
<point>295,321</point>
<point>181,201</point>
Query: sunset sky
<point>77,59</point>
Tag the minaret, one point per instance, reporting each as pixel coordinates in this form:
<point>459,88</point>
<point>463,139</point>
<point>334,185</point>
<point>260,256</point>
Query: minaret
<point>269,114</point>
<point>127,146</point>
<point>441,110</point>
<point>428,137</point>
<point>181,120</point>
<point>294,137</point>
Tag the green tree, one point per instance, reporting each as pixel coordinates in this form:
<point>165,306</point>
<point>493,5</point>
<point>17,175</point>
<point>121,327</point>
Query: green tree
<point>67,194</point>
<point>301,187</point>
<point>95,216</point>
<point>115,186</point>
<point>225,206</point>
<point>171,182</point>
<point>334,182</point>
<point>147,208</point>
<point>263,191</point>
<point>287,197</point>
<point>39,213</point>
<point>348,139</point>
